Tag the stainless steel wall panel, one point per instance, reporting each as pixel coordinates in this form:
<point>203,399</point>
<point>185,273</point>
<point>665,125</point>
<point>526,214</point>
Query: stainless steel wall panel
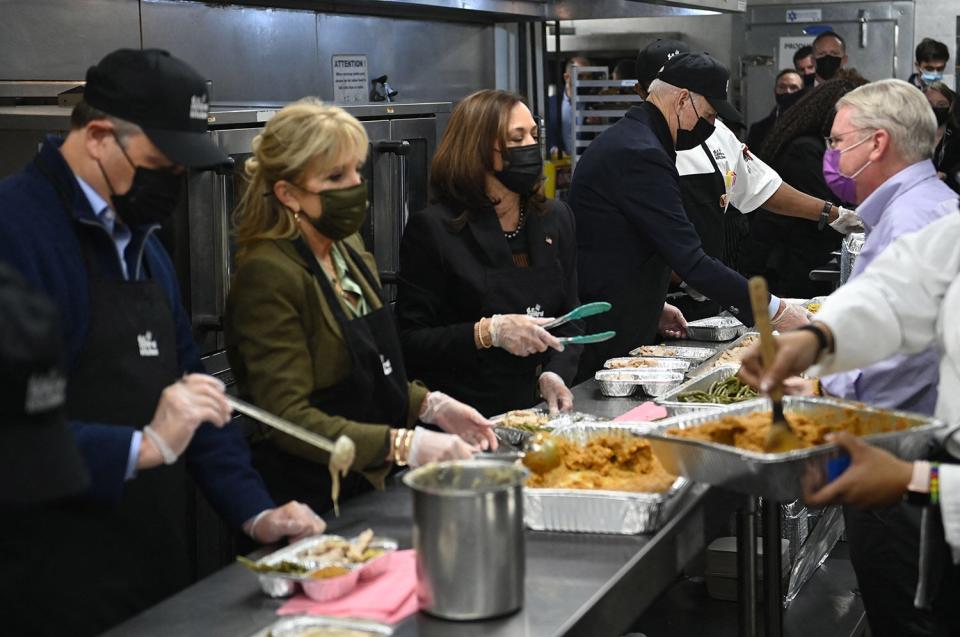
<point>60,39</point>
<point>425,60</point>
<point>251,54</point>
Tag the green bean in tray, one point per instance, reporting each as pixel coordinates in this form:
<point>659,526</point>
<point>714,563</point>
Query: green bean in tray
<point>723,392</point>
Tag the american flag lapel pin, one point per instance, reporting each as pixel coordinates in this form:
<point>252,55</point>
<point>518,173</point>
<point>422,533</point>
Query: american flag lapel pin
<point>549,240</point>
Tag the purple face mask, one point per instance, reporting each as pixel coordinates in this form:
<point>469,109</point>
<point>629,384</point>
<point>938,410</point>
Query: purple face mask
<point>841,185</point>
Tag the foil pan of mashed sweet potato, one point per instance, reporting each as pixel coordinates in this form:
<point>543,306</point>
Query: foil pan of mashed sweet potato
<point>609,481</point>
<point>725,447</point>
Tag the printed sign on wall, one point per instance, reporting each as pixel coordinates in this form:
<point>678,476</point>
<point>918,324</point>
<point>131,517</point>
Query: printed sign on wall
<point>789,46</point>
<point>350,81</point>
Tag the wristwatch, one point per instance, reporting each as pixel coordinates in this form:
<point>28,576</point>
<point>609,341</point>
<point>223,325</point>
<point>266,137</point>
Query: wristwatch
<point>824,215</point>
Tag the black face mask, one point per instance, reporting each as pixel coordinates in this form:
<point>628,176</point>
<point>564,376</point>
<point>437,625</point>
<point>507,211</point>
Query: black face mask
<point>809,80</point>
<point>522,168</point>
<point>942,113</point>
<point>786,100</point>
<point>690,139</point>
<point>827,66</point>
<point>152,197</point>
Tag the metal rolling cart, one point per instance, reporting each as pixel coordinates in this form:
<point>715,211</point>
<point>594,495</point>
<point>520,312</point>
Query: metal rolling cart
<point>589,100</point>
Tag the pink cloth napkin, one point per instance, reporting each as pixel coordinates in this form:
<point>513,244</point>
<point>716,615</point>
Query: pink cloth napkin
<point>388,598</point>
<point>645,412</point>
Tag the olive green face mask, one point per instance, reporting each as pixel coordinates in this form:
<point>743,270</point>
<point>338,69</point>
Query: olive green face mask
<point>343,211</point>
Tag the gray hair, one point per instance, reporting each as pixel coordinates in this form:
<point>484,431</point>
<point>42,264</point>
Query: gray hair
<point>898,108</point>
<point>83,114</point>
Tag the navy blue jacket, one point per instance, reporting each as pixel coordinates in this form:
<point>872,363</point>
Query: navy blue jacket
<point>631,223</point>
<point>38,239</point>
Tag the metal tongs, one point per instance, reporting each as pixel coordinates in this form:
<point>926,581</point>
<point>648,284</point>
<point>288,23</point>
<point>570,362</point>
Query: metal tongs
<point>780,437</point>
<point>583,311</point>
<point>342,453</point>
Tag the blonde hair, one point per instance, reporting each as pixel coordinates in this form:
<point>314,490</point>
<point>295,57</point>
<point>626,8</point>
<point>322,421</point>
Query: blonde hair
<point>304,134</point>
<point>898,108</point>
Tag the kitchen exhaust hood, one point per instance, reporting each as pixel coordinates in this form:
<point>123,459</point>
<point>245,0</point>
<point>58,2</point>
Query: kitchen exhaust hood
<point>522,10</point>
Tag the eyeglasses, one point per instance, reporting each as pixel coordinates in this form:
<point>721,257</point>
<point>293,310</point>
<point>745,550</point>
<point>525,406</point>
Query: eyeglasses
<point>833,140</point>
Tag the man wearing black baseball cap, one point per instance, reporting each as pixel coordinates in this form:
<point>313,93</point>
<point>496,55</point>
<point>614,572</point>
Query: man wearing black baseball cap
<point>721,178</point>
<point>632,229</point>
<point>79,224</point>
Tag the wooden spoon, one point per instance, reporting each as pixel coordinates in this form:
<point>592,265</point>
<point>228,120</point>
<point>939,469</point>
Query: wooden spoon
<point>780,438</point>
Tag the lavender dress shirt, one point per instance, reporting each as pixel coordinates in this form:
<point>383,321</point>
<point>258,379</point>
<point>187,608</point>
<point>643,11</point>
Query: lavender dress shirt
<point>905,203</point>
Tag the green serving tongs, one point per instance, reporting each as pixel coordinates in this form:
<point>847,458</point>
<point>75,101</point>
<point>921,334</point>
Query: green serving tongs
<point>583,311</point>
<point>586,339</point>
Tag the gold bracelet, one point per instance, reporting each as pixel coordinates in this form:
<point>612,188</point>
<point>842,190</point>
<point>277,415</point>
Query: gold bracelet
<point>399,452</point>
<point>480,335</point>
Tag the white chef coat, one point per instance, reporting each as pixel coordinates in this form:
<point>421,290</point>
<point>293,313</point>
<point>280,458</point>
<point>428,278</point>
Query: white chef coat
<point>907,300</point>
<point>749,181</point>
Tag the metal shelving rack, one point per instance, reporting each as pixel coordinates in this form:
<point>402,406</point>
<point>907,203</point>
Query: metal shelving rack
<point>610,108</point>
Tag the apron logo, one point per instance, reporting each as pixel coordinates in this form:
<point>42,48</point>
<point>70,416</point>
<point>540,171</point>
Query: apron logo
<point>718,154</point>
<point>387,365</point>
<point>148,346</point>
<point>45,391</point>
<point>535,311</point>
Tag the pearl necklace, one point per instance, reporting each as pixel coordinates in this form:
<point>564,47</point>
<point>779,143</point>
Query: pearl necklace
<point>522,218</point>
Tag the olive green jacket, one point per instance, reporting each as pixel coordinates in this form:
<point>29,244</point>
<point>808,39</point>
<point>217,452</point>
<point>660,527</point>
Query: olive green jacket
<point>284,344</point>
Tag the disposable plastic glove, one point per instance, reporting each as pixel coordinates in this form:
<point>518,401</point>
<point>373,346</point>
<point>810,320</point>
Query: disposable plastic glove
<point>672,323</point>
<point>522,335</point>
<point>789,317</point>
<point>433,446</point>
<point>555,392</point>
<point>847,221</point>
<point>455,417</point>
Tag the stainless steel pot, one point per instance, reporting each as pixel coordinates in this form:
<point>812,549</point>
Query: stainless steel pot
<point>468,533</point>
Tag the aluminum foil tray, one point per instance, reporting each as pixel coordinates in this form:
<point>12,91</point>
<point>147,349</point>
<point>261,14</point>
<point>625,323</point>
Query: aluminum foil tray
<point>591,511</point>
<point>642,362</point>
<point>624,382</point>
<point>686,352</point>
<point>715,328</point>
<point>321,589</point>
<point>518,437</point>
<point>780,476</point>
<point>300,624</point>
<point>700,383</point>
<point>718,358</point>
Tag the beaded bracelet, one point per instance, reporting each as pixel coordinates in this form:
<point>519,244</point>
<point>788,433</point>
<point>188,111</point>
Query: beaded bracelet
<point>935,484</point>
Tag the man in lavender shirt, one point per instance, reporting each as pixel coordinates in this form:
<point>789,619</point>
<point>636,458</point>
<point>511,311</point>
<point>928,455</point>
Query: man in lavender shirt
<point>884,134</point>
<point>885,137</point>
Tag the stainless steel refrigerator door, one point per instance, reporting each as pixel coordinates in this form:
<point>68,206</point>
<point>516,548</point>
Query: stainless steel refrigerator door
<point>879,38</point>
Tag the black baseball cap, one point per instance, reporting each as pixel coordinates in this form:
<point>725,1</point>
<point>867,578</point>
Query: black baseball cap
<point>653,56</point>
<point>704,75</point>
<point>163,96</point>
<point>39,460</point>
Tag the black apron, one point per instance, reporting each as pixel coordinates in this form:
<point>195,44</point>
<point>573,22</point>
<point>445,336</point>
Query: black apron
<point>704,200</point>
<point>376,391</point>
<point>635,315</point>
<point>106,563</point>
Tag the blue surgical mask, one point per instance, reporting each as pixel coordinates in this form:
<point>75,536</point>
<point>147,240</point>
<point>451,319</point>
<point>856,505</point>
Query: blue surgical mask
<point>931,76</point>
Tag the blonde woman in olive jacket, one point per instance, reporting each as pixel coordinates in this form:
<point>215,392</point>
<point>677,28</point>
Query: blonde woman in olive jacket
<point>308,334</point>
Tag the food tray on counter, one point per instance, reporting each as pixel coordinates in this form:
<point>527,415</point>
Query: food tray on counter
<point>302,625</point>
<point>321,589</point>
<point>780,476</point>
<point>731,354</point>
<point>541,420</point>
<point>624,382</point>
<point>595,511</point>
<point>643,362</point>
<point>686,352</point>
<point>676,407</point>
<point>715,328</point>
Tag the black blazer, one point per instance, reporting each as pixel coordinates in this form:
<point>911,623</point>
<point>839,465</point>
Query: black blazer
<point>632,229</point>
<point>449,279</point>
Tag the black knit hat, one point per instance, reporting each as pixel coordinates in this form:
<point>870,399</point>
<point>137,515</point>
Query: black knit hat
<point>38,456</point>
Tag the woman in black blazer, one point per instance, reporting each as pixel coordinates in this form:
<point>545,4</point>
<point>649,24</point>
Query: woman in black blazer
<point>489,263</point>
